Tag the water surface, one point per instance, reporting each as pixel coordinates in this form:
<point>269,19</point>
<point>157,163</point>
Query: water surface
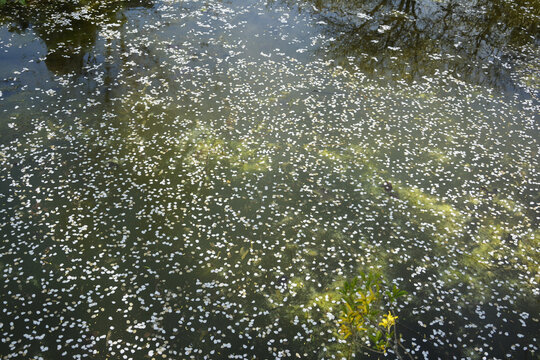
<point>196,178</point>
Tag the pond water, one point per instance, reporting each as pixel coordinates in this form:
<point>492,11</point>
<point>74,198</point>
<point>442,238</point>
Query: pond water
<point>195,179</point>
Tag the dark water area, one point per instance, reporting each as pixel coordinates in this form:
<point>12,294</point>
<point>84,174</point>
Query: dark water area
<point>197,179</point>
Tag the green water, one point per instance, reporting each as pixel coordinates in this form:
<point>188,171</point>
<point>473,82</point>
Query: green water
<point>194,179</point>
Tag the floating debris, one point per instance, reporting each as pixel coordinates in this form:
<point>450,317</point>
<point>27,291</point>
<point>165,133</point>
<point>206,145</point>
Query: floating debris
<point>197,179</point>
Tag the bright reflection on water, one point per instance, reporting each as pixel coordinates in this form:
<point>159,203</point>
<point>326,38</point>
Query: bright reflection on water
<point>194,179</point>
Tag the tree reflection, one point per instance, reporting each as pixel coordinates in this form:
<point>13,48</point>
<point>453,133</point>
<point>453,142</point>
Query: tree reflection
<point>68,29</point>
<point>409,39</point>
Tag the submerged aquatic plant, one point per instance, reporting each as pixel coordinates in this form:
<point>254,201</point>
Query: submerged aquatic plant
<point>365,321</point>
<point>173,185</point>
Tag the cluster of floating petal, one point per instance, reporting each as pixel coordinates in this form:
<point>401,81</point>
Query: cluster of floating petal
<point>205,182</point>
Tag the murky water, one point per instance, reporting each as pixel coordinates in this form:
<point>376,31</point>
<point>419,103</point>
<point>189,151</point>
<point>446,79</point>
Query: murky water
<point>194,179</point>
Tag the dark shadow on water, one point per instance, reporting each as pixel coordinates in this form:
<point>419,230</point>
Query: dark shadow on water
<point>67,49</point>
<point>68,29</point>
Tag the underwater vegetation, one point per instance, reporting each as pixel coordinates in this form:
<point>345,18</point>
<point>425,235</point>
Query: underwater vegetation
<point>230,179</point>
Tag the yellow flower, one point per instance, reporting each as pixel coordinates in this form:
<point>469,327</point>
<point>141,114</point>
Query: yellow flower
<point>388,320</point>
